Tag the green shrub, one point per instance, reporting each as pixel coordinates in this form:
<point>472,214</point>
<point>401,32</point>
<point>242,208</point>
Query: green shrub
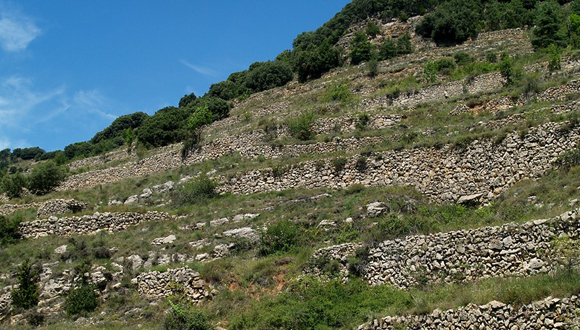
<point>167,126</point>
<point>554,62</point>
<point>279,237</point>
<point>13,185</point>
<point>360,49</point>
<point>26,295</point>
<point>362,121</point>
<point>430,71</point>
<point>569,160</point>
<point>338,92</point>
<point>267,75</point>
<point>8,230</point>
<point>452,22</point>
<point>372,29</point>
<point>361,164</point>
<point>339,164</point>
<point>198,190</point>
<point>301,127</point>
<point>45,177</point>
<point>445,65</point>
<point>182,318</point>
<point>491,57</point>
<point>279,170</point>
<point>81,300</point>
<point>373,67</point>
<point>548,26</point>
<point>388,50</point>
<point>313,304</point>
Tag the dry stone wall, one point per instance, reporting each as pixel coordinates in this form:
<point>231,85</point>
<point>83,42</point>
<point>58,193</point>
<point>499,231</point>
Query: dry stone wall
<point>6,209</point>
<point>60,206</point>
<point>447,174</point>
<point>548,314</point>
<point>159,285</point>
<point>468,255</point>
<point>461,256</point>
<point>87,224</point>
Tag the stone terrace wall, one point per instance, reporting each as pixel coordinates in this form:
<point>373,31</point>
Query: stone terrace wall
<point>87,224</point>
<point>6,209</point>
<point>60,206</point>
<point>160,285</point>
<point>461,256</point>
<point>444,174</point>
<point>468,255</point>
<point>548,314</point>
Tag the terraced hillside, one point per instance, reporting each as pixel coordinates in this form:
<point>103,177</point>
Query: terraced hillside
<point>392,202</point>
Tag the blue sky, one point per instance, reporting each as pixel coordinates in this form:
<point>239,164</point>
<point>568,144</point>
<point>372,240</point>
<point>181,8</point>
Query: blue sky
<point>68,68</point>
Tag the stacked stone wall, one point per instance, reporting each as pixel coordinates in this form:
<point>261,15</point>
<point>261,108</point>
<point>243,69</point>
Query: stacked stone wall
<point>86,224</point>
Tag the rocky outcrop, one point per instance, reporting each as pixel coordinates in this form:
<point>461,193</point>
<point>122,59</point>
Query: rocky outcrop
<point>87,224</point>
<point>550,313</point>
<point>60,206</point>
<point>446,174</point>
<point>184,280</point>
<point>465,255</point>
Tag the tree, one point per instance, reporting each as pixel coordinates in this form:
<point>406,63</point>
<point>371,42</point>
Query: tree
<point>404,45</point>
<point>226,90</point>
<point>8,230</point>
<point>119,125</point>
<point>45,177</point>
<point>388,50</point>
<point>548,26</point>
<point>13,185</point>
<point>553,58</point>
<point>575,30</point>
<point>129,139</point>
<point>372,29</point>
<point>508,70</point>
<point>268,75</point>
<point>167,126</point>
<point>26,295</point>
<point>360,48</point>
<point>186,100</point>
<point>453,22</point>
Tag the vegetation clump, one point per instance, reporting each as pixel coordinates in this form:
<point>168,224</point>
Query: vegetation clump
<point>26,296</point>
<point>195,191</point>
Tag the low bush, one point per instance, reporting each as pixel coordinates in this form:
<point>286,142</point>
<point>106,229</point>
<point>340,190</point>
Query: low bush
<point>198,190</point>
<point>81,300</point>
<point>301,126</point>
<point>568,160</point>
<point>339,164</point>
<point>361,164</point>
<point>279,237</point>
<point>184,318</point>
<point>45,177</point>
<point>26,295</point>
<point>13,185</point>
<point>8,230</point>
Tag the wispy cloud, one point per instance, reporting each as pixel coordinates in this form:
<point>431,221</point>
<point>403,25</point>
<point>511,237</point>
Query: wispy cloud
<point>93,102</point>
<point>18,100</point>
<point>7,143</point>
<point>26,111</point>
<point>16,29</point>
<point>199,69</point>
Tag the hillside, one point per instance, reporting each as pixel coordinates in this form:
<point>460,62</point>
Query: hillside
<point>437,190</point>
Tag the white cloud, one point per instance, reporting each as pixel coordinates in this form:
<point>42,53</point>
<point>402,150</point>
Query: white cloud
<point>26,111</point>
<point>199,69</point>
<point>6,143</point>
<point>18,100</point>
<point>16,30</point>
<point>93,102</point>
